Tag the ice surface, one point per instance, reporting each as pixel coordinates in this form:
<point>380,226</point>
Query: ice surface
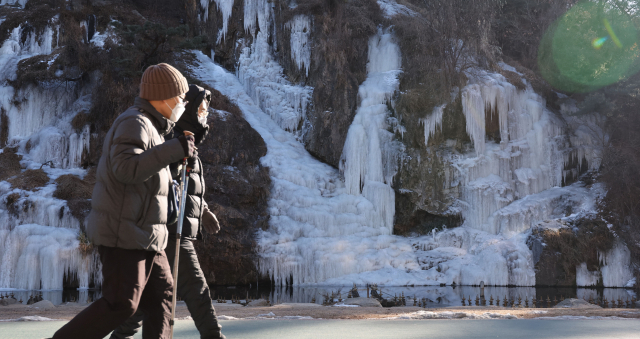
<point>39,235</point>
<point>452,315</point>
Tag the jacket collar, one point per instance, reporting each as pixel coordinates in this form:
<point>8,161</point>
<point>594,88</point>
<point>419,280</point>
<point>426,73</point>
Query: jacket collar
<point>162,124</point>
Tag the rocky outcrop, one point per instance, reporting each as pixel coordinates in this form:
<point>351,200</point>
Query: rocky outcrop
<point>558,249</point>
<point>237,191</point>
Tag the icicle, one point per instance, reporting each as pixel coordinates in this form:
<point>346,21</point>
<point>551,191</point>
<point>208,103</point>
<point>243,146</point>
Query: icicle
<point>300,27</point>
<point>432,122</point>
<point>225,7</point>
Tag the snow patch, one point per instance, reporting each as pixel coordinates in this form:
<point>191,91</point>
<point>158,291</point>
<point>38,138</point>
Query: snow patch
<point>392,8</point>
<point>451,315</point>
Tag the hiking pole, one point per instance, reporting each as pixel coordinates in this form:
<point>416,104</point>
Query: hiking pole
<point>184,185</point>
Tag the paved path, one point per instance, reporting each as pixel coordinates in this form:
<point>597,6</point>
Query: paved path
<point>356,329</point>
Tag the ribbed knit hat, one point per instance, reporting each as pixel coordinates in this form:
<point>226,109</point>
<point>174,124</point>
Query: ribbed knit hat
<point>161,82</point>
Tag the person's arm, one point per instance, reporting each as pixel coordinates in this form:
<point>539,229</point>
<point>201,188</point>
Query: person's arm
<point>131,163</point>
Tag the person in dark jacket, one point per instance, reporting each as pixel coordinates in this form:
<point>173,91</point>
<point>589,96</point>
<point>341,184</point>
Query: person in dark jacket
<point>192,286</point>
<point>129,212</point>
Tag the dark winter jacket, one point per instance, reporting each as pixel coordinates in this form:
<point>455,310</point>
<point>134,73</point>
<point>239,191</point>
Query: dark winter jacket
<point>195,204</point>
<point>129,202</point>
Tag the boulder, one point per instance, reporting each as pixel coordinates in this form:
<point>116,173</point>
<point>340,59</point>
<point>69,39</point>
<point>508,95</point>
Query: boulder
<point>43,305</point>
<point>362,302</point>
<point>575,303</point>
<point>258,303</point>
<point>8,301</point>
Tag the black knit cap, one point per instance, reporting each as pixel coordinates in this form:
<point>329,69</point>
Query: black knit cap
<point>189,119</point>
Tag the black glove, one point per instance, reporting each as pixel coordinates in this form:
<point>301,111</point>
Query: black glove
<point>188,145</point>
<point>201,134</point>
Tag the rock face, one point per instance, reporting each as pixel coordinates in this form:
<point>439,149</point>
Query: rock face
<point>237,189</point>
<point>559,249</point>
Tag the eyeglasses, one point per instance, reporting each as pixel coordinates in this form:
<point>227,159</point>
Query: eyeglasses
<point>183,99</point>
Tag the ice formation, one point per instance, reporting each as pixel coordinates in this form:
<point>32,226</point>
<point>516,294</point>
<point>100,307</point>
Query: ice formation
<point>40,232</point>
<point>21,3</point>
<point>263,77</point>
<point>300,27</point>
<point>369,156</point>
<point>318,231</point>
<point>327,231</point>
<point>432,122</point>
<point>391,8</point>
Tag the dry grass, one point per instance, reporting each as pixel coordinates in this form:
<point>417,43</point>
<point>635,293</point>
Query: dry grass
<point>71,187</point>
<point>4,127</point>
<point>514,79</point>
<point>9,164</point>
<point>30,180</point>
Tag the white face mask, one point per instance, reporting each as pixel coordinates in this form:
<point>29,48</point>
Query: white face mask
<point>177,111</point>
<point>202,120</point>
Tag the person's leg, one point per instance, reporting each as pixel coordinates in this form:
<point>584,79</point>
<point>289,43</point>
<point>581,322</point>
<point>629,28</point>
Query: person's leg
<point>193,289</point>
<point>132,325</point>
<point>129,327</point>
<point>155,302</point>
<point>124,278</point>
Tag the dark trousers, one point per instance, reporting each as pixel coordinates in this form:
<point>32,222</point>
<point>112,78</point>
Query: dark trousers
<point>133,280</point>
<point>192,288</point>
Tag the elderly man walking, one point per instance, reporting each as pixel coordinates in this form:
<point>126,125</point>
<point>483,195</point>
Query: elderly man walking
<point>129,211</point>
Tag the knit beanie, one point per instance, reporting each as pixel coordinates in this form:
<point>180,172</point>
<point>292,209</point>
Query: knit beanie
<point>161,82</point>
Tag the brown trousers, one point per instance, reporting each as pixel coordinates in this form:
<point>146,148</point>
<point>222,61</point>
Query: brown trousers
<point>133,279</point>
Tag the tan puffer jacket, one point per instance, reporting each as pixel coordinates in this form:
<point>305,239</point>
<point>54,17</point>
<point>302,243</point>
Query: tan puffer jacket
<point>129,203</point>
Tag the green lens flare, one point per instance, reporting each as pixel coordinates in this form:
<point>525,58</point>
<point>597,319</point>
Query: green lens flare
<point>607,25</point>
<point>594,44</point>
<point>597,43</point>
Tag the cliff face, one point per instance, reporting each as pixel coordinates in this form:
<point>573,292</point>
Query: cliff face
<point>349,126</point>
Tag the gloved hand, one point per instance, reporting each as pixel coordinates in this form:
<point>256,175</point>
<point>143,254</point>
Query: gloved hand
<point>191,162</point>
<point>188,145</point>
<point>209,222</point>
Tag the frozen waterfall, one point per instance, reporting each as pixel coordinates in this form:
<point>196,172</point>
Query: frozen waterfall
<point>39,243</point>
<point>324,230</point>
